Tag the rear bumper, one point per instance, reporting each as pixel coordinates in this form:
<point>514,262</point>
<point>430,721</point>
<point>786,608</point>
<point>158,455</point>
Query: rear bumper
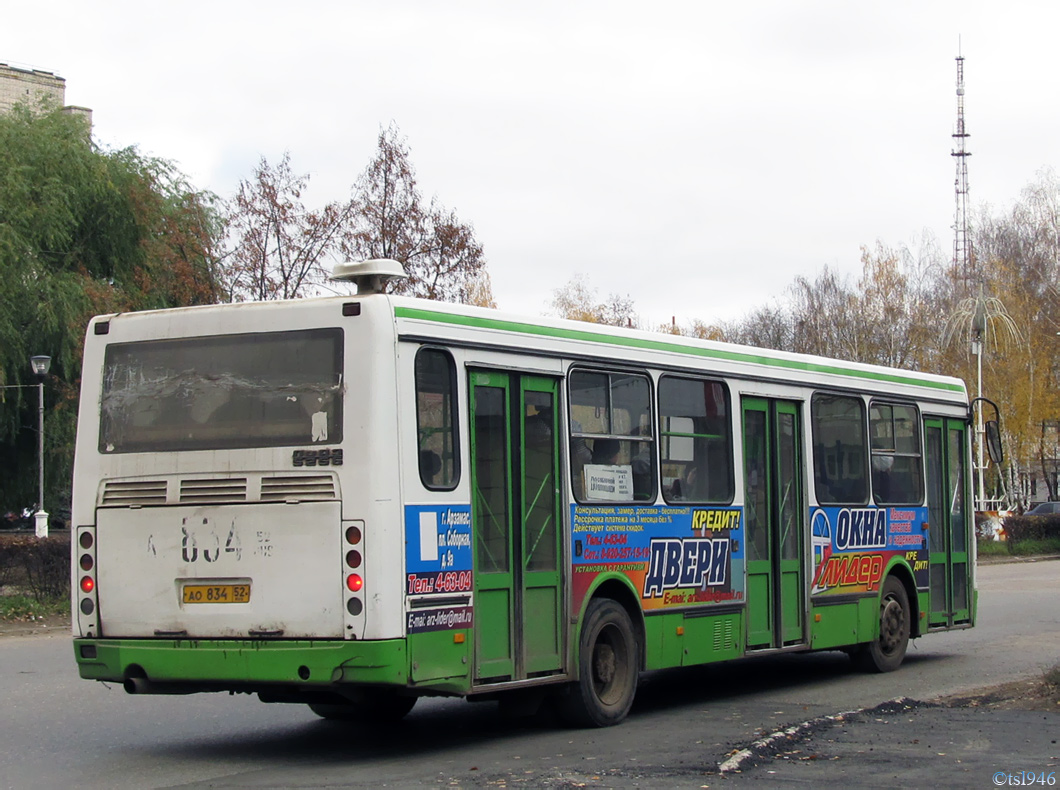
<point>203,665</point>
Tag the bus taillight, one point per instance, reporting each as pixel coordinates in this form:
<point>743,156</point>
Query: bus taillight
<point>354,535</point>
<point>86,585</point>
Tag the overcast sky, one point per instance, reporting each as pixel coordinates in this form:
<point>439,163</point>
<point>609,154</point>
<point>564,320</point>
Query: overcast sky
<point>693,156</point>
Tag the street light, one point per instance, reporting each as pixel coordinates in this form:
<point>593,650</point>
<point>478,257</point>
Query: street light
<point>40,364</point>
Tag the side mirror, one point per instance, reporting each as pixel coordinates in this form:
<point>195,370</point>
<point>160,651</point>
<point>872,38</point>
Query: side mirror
<point>992,429</point>
<point>993,442</point>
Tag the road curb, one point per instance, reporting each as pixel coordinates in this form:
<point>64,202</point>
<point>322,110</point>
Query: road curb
<point>1000,560</point>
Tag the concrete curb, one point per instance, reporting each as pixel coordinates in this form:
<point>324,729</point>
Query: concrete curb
<point>1010,560</point>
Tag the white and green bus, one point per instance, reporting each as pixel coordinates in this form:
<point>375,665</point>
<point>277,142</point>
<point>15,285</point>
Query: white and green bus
<point>351,502</point>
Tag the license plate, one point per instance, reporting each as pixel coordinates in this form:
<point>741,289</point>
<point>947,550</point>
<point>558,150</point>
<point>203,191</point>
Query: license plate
<point>216,593</point>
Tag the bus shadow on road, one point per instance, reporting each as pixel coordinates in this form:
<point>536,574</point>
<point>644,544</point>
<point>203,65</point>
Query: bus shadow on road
<point>673,689</point>
<point>438,726</point>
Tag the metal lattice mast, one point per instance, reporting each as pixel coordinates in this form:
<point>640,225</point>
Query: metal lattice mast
<point>962,257</point>
<point>962,266</point>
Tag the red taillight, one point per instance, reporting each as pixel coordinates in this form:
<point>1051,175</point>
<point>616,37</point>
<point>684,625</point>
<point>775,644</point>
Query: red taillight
<point>353,535</point>
<point>87,584</point>
<point>354,582</point>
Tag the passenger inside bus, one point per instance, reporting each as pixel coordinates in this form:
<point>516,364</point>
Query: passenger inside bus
<point>605,451</point>
<point>430,465</point>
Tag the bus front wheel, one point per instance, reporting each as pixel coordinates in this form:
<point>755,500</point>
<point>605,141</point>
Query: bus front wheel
<point>886,653</point>
<point>607,668</point>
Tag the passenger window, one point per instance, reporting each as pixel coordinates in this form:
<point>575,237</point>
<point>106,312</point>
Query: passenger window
<point>612,447</point>
<point>897,476</point>
<point>695,440</point>
<point>438,455</point>
<point>840,459</point>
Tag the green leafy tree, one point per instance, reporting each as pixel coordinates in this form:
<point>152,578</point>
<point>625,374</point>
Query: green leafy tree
<point>82,231</point>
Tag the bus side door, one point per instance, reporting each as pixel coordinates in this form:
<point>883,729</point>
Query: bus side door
<point>773,484</point>
<point>948,532</point>
<point>515,514</point>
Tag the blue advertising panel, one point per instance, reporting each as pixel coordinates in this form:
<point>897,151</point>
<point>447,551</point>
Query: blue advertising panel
<point>675,556</point>
<point>438,557</point>
<point>852,546</point>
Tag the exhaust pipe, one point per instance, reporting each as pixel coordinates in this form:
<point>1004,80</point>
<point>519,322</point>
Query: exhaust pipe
<point>141,685</point>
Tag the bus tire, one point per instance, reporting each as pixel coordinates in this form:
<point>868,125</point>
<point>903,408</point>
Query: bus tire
<point>377,706</point>
<point>607,668</point>
<point>886,653</point>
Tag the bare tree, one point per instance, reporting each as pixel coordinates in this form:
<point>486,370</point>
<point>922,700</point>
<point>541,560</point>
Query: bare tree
<point>766,327</point>
<point>1018,255</point>
<point>578,301</point>
<point>480,292</point>
<point>441,255</point>
<point>279,247</point>
<point>823,316</point>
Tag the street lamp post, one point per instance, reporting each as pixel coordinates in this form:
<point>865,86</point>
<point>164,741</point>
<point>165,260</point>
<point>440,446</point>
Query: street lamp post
<point>40,364</point>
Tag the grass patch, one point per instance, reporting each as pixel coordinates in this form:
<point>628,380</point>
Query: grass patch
<point>993,548</point>
<point>27,609</point>
<point>1032,546</point>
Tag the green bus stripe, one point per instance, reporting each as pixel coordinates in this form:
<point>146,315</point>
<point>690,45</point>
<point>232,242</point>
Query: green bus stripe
<point>502,325</point>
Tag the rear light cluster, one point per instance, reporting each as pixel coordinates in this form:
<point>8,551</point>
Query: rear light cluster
<point>354,569</point>
<point>86,572</point>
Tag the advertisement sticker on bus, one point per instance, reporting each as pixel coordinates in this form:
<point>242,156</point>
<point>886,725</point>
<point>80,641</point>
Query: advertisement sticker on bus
<point>852,546</point>
<point>438,549</point>
<point>674,556</point>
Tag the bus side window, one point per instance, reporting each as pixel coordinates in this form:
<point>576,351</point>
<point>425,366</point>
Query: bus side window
<point>611,437</point>
<point>897,469</point>
<point>437,449</point>
<point>840,453</point>
<point>695,435</point>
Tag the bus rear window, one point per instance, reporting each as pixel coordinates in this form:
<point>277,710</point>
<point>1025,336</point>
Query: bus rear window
<point>267,389</point>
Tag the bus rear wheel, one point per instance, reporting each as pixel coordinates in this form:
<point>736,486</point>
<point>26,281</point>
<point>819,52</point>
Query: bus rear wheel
<point>375,707</point>
<point>887,652</point>
<point>607,668</point>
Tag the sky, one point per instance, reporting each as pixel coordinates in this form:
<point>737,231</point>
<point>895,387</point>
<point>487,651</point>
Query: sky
<point>694,157</point>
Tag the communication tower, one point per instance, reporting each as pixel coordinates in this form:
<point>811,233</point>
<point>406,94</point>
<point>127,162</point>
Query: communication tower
<point>962,253</point>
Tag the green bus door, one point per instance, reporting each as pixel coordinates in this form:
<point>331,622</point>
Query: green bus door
<point>515,524</point>
<point>774,516</point>
<point>948,522</point>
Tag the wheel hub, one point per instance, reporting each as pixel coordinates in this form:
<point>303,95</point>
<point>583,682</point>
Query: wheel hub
<point>604,664</point>
<point>891,626</point>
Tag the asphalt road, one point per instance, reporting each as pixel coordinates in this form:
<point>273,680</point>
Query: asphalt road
<point>57,730</point>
